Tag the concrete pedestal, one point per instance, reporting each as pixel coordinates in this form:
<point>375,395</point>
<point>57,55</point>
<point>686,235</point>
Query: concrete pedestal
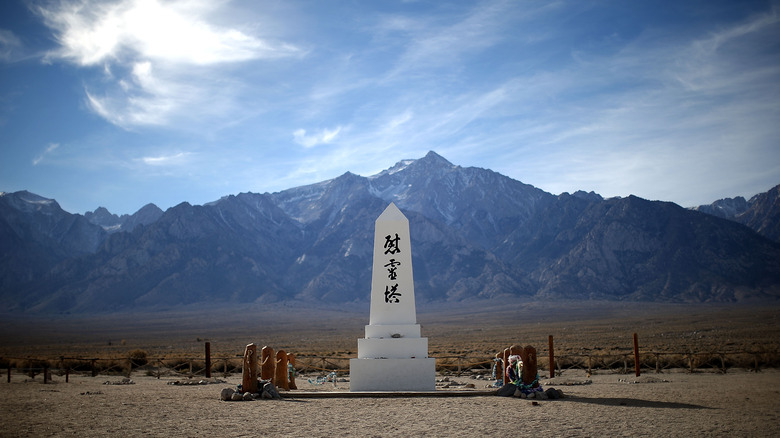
<point>387,363</point>
<point>418,374</point>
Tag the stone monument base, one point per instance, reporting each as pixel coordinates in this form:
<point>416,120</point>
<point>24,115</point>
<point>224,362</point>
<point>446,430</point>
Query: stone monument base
<point>408,374</point>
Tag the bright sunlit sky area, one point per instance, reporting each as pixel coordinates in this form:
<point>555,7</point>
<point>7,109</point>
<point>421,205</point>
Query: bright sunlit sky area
<point>123,103</point>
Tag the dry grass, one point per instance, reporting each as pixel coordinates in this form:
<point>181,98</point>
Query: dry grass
<point>176,339</point>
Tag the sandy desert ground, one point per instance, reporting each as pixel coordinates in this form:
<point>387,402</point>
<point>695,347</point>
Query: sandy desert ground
<point>675,403</point>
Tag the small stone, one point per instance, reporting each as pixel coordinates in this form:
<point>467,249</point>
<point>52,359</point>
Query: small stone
<point>552,394</point>
<point>518,393</point>
<point>470,385</point>
<point>237,396</point>
<point>271,390</point>
<point>248,396</point>
<point>507,390</point>
<point>226,394</point>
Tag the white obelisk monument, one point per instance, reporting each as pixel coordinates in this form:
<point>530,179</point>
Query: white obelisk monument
<point>392,356</point>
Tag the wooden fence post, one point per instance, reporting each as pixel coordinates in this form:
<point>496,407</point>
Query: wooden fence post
<point>637,364</point>
<point>249,369</point>
<point>208,360</point>
<point>552,356</point>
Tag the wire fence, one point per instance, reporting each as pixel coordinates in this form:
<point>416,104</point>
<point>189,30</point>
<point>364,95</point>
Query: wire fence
<point>616,362</point>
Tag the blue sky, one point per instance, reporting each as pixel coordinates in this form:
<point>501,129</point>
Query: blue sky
<point>122,103</point>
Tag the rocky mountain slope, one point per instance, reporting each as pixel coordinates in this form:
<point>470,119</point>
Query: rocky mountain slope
<point>761,212</point>
<point>476,234</point>
<point>113,223</point>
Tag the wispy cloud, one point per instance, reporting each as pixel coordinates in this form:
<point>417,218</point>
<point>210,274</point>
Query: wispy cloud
<point>91,32</point>
<point>430,42</point>
<point>10,45</point>
<point>50,148</point>
<point>564,95</point>
<point>660,117</point>
<point>159,58</point>
<point>310,140</point>
<point>619,116</point>
<point>165,160</point>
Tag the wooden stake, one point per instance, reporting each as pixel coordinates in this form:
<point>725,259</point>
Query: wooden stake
<point>268,364</point>
<point>636,354</point>
<point>280,380</point>
<point>249,377</point>
<point>208,360</point>
<point>552,356</point>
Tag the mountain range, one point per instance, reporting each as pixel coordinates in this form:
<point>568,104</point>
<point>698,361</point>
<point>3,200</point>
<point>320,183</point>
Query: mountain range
<point>476,235</point>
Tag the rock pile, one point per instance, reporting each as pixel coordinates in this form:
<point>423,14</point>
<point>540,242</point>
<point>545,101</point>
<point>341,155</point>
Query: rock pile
<point>267,391</point>
<point>125,381</point>
<point>195,382</point>
<point>511,390</point>
<point>447,383</point>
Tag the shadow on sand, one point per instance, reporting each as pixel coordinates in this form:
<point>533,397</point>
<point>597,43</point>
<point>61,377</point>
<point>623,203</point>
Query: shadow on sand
<point>633,402</point>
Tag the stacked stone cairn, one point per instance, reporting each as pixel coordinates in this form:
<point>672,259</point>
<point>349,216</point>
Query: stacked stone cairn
<point>276,370</point>
<point>520,376</point>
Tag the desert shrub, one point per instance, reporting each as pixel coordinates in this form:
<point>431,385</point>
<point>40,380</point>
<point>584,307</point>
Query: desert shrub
<point>111,366</point>
<point>179,364</point>
<point>137,358</point>
<point>74,365</point>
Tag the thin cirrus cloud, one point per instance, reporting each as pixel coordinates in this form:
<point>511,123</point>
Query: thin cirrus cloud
<point>158,58</point>
<point>165,160</point>
<point>695,108</point>
<point>46,152</point>
<point>310,140</point>
<point>10,45</point>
